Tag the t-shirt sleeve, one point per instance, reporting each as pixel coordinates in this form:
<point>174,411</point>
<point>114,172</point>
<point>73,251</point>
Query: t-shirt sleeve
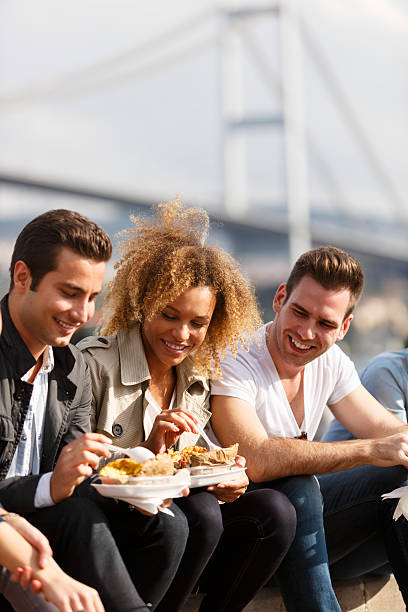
<point>385,378</point>
<point>236,381</point>
<point>346,378</point>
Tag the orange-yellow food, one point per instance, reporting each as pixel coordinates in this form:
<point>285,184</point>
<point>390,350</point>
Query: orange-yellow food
<point>193,456</point>
<point>122,469</point>
<point>181,459</point>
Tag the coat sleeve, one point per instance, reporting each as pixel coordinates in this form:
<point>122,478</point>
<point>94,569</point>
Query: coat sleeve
<point>97,377</point>
<point>17,494</point>
<point>79,422</point>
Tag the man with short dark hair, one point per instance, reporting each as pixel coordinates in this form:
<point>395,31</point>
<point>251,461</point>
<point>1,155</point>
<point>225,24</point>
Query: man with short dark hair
<point>271,399</point>
<point>26,552</point>
<point>46,450</point>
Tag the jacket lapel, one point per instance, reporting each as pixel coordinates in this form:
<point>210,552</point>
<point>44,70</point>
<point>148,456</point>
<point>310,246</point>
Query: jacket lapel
<point>61,392</point>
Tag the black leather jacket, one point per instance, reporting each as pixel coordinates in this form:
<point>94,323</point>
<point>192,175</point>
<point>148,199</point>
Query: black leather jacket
<point>67,410</point>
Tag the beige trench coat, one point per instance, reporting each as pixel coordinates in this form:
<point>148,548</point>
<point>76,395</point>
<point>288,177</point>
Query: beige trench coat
<point>120,378</point>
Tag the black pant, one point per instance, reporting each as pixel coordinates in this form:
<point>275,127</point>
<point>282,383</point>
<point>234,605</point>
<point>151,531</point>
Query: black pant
<point>129,558</point>
<point>245,541</point>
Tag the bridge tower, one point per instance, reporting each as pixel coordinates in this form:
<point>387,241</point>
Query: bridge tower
<point>237,44</point>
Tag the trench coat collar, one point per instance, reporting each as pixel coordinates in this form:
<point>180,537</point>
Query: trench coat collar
<point>134,369</point>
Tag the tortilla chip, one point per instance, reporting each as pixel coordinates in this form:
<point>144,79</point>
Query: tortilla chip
<point>160,465</point>
<point>219,456</point>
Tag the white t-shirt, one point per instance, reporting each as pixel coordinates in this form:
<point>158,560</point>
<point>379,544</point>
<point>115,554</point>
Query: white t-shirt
<point>252,377</point>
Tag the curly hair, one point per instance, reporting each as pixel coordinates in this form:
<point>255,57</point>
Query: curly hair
<point>164,256</point>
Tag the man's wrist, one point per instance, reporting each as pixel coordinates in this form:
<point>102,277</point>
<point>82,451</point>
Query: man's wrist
<point>361,451</point>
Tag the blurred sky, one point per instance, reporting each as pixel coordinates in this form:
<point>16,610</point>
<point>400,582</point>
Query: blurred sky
<point>156,131</point>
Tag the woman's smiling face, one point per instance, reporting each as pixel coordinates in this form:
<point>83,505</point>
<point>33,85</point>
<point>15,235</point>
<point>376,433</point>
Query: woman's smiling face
<point>180,328</point>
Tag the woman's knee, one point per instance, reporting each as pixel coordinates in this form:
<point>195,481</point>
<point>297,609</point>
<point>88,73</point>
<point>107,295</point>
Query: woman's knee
<point>177,524</point>
<point>202,510</point>
<point>273,512</point>
<point>203,514</point>
<point>172,531</point>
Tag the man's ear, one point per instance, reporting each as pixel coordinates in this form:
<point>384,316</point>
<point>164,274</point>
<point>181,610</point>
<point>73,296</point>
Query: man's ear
<point>279,298</point>
<point>344,327</point>
<point>22,276</point>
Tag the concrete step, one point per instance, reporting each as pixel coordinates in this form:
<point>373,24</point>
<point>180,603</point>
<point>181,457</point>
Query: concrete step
<point>368,594</point>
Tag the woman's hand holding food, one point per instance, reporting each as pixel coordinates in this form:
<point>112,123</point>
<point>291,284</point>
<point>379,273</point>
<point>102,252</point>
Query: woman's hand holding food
<point>230,490</point>
<point>168,427</point>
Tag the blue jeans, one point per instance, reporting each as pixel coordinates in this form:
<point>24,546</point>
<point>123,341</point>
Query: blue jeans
<point>355,533</point>
<point>303,576</point>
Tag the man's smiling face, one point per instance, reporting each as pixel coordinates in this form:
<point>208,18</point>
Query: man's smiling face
<point>63,300</point>
<point>308,323</point>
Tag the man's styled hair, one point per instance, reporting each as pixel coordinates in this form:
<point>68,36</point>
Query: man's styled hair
<point>333,269</point>
<point>40,241</point>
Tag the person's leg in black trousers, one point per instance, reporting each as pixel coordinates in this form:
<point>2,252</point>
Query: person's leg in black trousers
<point>259,528</point>
<point>203,514</point>
<point>151,547</point>
<point>80,536</point>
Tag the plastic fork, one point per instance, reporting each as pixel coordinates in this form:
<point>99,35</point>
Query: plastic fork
<point>202,433</point>
<point>138,453</point>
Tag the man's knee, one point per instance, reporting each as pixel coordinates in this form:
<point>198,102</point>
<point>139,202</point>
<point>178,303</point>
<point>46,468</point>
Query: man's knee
<point>74,519</point>
<point>304,493</point>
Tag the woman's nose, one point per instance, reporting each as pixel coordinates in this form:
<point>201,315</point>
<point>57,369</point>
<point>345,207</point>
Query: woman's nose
<point>181,332</point>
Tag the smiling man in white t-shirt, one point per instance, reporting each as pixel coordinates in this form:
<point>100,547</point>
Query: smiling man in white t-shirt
<point>271,399</point>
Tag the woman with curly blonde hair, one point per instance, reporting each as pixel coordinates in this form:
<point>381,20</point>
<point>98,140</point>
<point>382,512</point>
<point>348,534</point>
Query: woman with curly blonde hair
<point>164,258</point>
<point>173,309</point>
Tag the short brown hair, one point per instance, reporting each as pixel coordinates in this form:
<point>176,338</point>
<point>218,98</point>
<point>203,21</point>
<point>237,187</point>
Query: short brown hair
<point>333,269</point>
<point>40,241</point>
<point>162,258</point>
